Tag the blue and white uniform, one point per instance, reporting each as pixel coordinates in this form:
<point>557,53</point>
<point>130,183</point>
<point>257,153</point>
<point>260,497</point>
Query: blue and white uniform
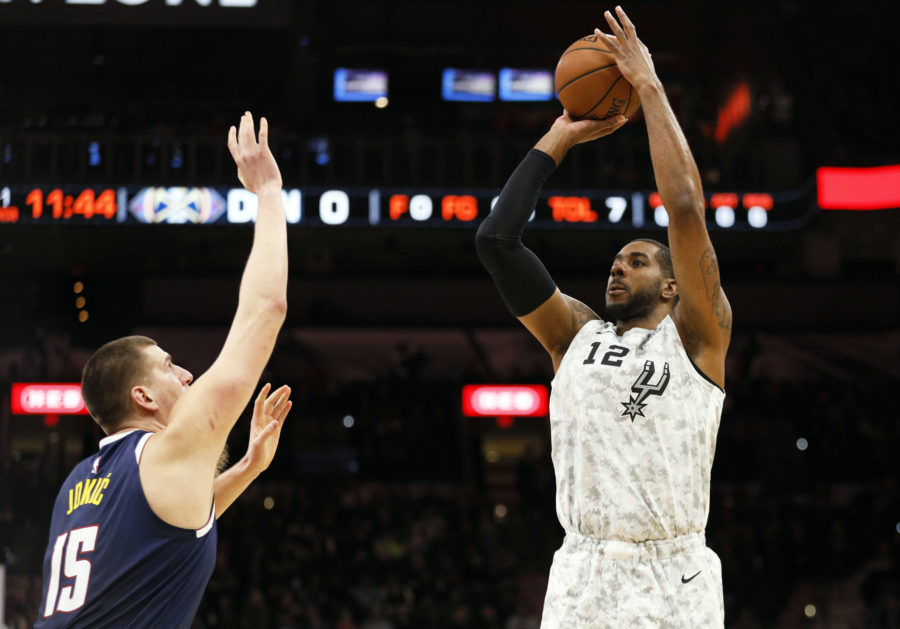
<point>110,561</point>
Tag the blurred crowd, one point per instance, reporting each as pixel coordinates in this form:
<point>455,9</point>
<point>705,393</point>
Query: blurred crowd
<point>390,523</point>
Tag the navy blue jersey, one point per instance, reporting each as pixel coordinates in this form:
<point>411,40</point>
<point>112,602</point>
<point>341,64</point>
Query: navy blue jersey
<point>111,562</point>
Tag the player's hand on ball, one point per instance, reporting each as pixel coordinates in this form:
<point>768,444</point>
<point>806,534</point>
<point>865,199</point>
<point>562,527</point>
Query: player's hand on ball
<point>257,168</point>
<point>579,131</point>
<point>632,56</point>
<point>269,412</point>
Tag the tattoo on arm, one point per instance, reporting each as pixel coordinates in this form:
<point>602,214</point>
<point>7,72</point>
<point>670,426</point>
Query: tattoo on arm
<point>581,314</point>
<point>709,269</point>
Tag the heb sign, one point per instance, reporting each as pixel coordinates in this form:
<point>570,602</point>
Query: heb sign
<point>47,398</point>
<point>505,400</point>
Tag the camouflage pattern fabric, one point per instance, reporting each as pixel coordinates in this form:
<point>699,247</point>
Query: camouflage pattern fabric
<point>633,430</point>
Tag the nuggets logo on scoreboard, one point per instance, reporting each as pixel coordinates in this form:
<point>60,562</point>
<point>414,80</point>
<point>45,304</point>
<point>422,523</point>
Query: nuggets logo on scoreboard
<point>177,205</point>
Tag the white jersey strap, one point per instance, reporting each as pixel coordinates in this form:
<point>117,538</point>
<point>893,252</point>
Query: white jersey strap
<point>139,448</point>
<point>208,526</point>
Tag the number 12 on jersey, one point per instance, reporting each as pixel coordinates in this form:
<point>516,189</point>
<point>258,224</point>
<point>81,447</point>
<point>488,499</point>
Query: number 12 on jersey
<point>613,357</point>
<point>65,556</point>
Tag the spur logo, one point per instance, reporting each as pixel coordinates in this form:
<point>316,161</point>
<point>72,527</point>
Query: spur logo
<point>643,388</point>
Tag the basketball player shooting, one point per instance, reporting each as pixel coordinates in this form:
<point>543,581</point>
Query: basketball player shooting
<point>133,531</point>
<point>636,400</point>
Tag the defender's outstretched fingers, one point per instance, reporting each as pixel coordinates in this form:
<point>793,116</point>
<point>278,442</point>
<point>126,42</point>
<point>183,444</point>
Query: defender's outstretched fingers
<point>263,132</point>
<point>232,141</point>
<point>626,23</point>
<point>245,134</point>
<point>261,398</point>
<point>284,411</point>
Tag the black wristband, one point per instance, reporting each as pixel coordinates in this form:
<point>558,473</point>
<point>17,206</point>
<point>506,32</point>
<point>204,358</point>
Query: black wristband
<point>519,275</point>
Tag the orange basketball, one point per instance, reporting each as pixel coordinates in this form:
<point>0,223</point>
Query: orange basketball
<point>589,83</point>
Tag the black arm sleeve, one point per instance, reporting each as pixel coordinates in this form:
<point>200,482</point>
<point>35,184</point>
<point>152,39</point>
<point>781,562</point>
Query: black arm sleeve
<point>519,275</point>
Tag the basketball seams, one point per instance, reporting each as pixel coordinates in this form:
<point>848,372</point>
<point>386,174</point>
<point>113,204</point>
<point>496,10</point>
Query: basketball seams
<point>585,48</point>
<point>581,76</point>
<point>602,98</point>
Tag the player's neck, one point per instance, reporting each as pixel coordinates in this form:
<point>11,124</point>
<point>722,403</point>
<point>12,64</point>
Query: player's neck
<point>648,322</point>
<point>152,424</point>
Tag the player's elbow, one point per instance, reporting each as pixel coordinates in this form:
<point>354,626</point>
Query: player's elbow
<point>486,236</point>
<point>489,246</point>
<point>276,308</point>
<point>492,246</point>
<point>269,311</point>
<point>689,200</point>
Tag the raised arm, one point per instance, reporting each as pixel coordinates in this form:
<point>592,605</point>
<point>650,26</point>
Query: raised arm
<point>703,314</point>
<point>524,283</point>
<point>179,463</point>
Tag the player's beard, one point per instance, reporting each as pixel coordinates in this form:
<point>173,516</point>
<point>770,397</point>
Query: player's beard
<point>222,465</point>
<point>639,305</point>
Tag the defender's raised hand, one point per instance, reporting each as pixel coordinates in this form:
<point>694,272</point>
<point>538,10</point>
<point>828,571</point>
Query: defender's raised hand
<point>632,56</point>
<point>257,168</point>
<point>269,412</point>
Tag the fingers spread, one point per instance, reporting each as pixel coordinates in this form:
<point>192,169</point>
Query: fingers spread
<point>629,27</point>
<point>245,133</point>
<point>284,411</point>
<point>261,398</point>
<point>232,140</point>
<point>609,40</point>
<point>263,132</point>
<point>277,404</point>
<point>614,26</point>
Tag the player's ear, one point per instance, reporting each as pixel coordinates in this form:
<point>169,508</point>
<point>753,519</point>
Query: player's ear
<point>669,288</point>
<point>142,397</point>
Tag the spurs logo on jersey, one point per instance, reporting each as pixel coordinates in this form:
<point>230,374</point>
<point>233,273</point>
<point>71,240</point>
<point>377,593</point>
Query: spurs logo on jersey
<point>633,426</point>
<point>644,388</point>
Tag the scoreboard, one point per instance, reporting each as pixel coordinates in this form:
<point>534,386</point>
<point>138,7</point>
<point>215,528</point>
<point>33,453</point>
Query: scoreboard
<point>393,207</point>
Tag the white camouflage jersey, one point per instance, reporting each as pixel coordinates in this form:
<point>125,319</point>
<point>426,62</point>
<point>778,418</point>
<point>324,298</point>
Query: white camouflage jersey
<point>633,427</point>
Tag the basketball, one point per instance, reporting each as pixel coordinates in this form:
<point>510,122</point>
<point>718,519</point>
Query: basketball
<point>589,83</point>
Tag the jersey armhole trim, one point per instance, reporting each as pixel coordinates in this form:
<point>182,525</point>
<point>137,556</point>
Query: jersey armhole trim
<point>139,448</point>
<point>208,526</point>
<point>703,375</point>
<point>684,351</point>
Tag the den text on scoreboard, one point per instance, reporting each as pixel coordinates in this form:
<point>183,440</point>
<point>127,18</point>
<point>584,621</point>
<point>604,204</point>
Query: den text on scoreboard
<point>391,207</point>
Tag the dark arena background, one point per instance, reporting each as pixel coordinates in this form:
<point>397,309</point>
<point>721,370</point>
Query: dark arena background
<point>388,507</point>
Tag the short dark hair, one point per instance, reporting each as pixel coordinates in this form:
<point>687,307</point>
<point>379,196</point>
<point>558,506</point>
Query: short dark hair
<point>108,376</point>
<point>663,256</point>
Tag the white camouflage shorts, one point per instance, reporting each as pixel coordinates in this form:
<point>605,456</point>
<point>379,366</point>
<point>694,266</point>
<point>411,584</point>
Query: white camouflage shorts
<point>667,584</point>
